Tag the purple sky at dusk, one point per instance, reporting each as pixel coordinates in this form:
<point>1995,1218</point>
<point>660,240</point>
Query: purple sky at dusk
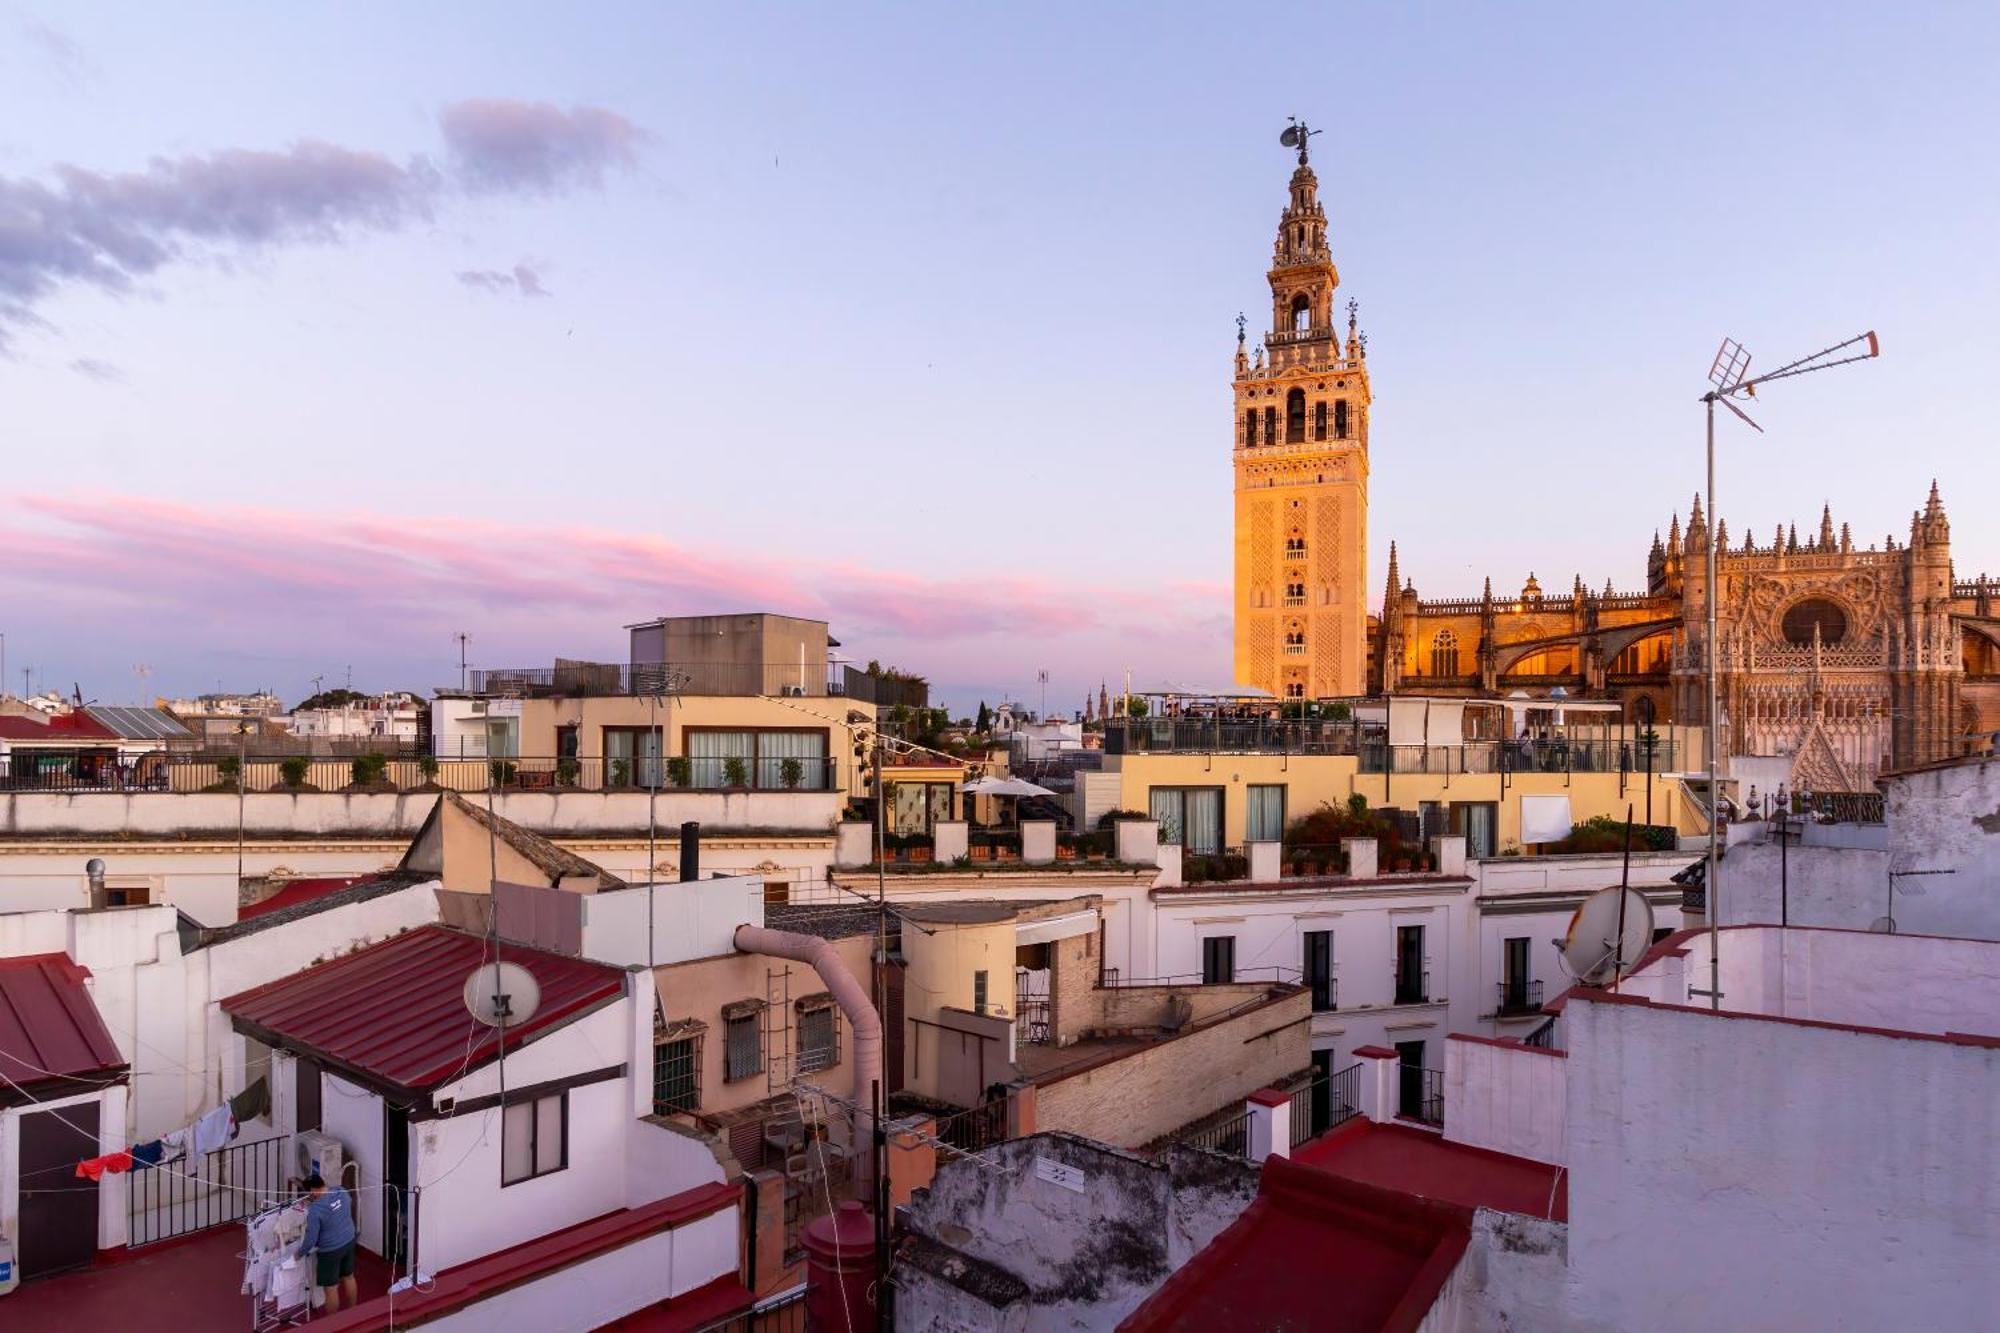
<point>328,334</point>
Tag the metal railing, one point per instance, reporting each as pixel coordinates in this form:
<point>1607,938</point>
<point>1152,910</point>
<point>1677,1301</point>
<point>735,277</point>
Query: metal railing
<point>1282,976</point>
<point>1213,735</point>
<point>766,679</point>
<point>1431,1112</point>
<point>1413,988</point>
<point>783,1313</point>
<point>1544,1036</point>
<point>1229,1137</point>
<point>1239,735</point>
<point>297,774</point>
<point>1326,1103</point>
<point>971,1130</point>
<point>1519,997</point>
<point>192,1194</point>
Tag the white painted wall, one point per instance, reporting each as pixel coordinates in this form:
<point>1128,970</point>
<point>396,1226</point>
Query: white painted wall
<point>356,1117</point>
<point>1799,1177</point>
<point>600,1289</point>
<point>1948,818</point>
<point>694,919</point>
<point>1509,1099</point>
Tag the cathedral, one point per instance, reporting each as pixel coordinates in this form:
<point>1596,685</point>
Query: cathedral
<point>1839,661</point>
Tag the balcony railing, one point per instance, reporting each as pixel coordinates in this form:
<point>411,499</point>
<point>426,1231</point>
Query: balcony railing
<point>1295,650</point>
<point>1413,988</point>
<point>1167,735</point>
<point>1519,997</point>
<point>767,679</point>
<point>1229,1137</point>
<point>1325,1103</point>
<point>1213,735</point>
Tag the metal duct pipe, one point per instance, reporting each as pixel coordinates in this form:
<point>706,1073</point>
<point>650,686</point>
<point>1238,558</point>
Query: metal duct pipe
<point>690,851</point>
<point>853,1000</point>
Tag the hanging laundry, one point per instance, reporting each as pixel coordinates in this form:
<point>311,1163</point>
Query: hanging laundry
<point>111,1163</point>
<point>177,1143</point>
<point>213,1130</point>
<point>252,1102</point>
<point>287,1287</point>
<point>148,1154</point>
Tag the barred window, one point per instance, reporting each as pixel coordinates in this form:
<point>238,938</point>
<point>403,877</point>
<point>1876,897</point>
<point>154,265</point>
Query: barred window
<point>819,1037</point>
<point>743,1047</point>
<point>677,1075</point>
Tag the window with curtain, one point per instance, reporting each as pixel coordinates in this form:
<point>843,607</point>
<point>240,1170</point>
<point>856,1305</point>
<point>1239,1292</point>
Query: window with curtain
<point>773,748</point>
<point>1264,813</point>
<point>631,757</point>
<point>710,752</point>
<point>1190,816</point>
<point>761,759</point>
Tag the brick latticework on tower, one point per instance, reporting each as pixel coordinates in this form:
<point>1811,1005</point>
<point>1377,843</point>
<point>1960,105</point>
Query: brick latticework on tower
<point>1301,463</point>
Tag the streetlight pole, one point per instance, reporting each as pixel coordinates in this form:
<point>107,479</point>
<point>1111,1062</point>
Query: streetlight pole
<point>1729,374</point>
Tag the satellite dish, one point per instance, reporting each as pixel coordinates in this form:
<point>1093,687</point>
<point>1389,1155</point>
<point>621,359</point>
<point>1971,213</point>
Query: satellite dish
<point>1290,138</point>
<point>502,993</point>
<point>1883,925</point>
<point>1594,950</point>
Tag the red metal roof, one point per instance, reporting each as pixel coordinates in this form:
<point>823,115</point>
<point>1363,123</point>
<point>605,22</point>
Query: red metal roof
<point>298,891</point>
<point>396,1010</point>
<point>1315,1251</point>
<point>1424,1163</point>
<point>63,729</point>
<point>49,1026</point>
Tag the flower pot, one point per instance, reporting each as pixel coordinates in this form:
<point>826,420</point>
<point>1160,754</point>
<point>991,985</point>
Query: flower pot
<point>1094,856</point>
<point>1065,853</point>
<point>980,852</point>
<point>920,855</point>
<point>1005,854</point>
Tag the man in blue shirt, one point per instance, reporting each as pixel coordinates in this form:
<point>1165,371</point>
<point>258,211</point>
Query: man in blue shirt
<point>330,1236</point>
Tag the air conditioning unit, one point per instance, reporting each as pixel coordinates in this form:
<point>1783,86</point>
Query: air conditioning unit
<point>319,1155</point>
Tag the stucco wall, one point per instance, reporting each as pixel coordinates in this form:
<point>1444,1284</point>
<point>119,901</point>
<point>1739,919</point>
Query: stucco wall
<point>1904,982</point>
<point>1134,1100</point>
<point>1948,818</point>
<point>1847,887</point>
<point>1798,1177</point>
<point>1510,1099</point>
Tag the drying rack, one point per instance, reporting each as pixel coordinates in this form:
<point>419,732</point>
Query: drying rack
<point>286,1309</point>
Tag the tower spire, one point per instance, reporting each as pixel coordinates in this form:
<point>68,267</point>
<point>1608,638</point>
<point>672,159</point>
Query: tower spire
<point>1395,583</point>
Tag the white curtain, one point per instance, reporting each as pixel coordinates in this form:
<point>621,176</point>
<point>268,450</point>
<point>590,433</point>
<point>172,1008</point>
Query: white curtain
<point>709,753</point>
<point>775,747</point>
<point>1264,819</point>
<point>1204,819</point>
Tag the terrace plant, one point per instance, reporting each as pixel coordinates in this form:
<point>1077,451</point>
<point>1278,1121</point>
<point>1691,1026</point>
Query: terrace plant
<point>680,771</point>
<point>791,772</point>
<point>735,773</point>
<point>293,769</point>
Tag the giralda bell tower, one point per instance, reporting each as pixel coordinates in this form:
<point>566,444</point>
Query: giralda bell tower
<point>1301,463</point>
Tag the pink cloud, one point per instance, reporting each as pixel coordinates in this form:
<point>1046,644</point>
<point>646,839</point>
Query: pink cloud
<point>210,582</point>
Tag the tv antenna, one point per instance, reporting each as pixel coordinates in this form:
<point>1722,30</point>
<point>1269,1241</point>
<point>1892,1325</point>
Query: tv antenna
<point>1886,925</point>
<point>1731,382</point>
<point>1296,135</point>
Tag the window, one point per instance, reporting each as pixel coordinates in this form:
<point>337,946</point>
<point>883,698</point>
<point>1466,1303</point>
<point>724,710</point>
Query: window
<point>503,737</point>
<point>1295,689</point>
<point>1295,545</point>
<point>1218,960</point>
<point>1295,416</point>
<point>1319,421</point>
<point>743,1043</point>
<point>534,1138</point>
<point>916,807</point>
<point>1318,969</point>
<point>1250,427</point>
<point>1411,984</point>
<point>768,760</point>
<point>1295,594</point>
<point>1190,816</point>
<point>305,1095</point>
<point>677,1075</point>
<point>819,1034</point>
<point>1264,813</point>
<point>1514,974</point>
<point>1444,654</point>
<point>1301,305</point>
<point>1478,821</point>
<point>631,756</point>
<point>979,991</point>
<point>1815,614</point>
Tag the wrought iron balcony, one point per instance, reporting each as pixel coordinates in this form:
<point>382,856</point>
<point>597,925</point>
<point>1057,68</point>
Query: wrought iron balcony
<point>1519,997</point>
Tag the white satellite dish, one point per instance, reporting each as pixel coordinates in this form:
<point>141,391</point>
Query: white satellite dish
<point>1608,935</point>
<point>502,994</point>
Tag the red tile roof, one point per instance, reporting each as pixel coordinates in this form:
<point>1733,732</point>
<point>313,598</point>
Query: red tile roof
<point>396,1010</point>
<point>1315,1251</point>
<point>49,1026</point>
<point>63,729</point>
<point>1426,1164</point>
<point>298,891</point>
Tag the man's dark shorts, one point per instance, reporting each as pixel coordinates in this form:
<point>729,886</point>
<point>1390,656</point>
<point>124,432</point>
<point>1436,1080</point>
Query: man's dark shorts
<point>334,1265</point>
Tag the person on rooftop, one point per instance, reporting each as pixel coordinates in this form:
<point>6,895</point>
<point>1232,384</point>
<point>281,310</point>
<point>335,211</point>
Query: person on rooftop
<point>330,1236</point>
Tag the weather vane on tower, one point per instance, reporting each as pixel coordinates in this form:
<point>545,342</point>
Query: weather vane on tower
<point>1296,136</point>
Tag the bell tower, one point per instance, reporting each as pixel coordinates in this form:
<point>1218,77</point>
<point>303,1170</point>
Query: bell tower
<point>1301,467</point>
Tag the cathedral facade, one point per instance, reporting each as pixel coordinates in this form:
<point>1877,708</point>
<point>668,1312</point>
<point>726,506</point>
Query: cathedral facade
<point>1841,662</point>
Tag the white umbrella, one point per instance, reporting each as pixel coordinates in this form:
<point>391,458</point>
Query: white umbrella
<point>1004,787</point>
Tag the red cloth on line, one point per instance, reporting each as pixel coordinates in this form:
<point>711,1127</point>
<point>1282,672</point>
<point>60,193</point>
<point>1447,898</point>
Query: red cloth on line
<point>111,1163</point>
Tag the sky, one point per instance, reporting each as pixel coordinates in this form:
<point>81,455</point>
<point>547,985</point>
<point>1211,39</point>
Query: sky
<point>330,333</point>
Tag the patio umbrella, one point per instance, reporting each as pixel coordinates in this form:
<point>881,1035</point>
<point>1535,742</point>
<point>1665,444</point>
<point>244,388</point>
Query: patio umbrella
<point>1004,787</point>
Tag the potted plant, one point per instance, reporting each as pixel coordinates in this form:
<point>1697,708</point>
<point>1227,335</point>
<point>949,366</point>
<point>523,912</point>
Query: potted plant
<point>293,770</point>
<point>791,772</point>
<point>566,771</point>
<point>621,772</point>
<point>735,773</point>
<point>1065,850</point>
<point>428,766</point>
<point>503,772</point>
<point>680,771</point>
<point>981,851</point>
